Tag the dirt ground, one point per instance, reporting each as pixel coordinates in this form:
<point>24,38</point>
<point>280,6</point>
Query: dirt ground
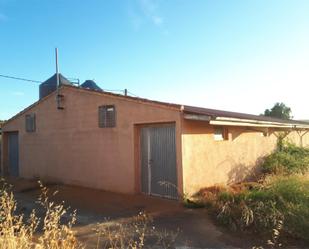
<point>189,228</point>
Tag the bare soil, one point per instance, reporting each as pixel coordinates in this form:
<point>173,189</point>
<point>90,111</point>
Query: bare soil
<point>194,227</point>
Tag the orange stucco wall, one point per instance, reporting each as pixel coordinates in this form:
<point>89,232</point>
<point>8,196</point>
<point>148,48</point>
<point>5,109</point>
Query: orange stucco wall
<point>207,162</point>
<point>69,147</point>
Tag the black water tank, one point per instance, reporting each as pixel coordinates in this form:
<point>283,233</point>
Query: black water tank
<point>50,85</point>
<point>90,84</point>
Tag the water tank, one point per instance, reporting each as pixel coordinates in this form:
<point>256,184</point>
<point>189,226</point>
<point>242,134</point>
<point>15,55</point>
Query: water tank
<point>90,84</point>
<point>50,85</point>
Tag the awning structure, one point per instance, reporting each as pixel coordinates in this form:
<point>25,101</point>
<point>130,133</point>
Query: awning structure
<point>224,118</point>
<point>227,122</point>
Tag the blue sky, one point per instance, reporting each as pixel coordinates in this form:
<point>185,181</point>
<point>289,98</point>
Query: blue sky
<point>233,55</point>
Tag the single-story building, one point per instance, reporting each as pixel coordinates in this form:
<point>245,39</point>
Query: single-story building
<point>88,137</point>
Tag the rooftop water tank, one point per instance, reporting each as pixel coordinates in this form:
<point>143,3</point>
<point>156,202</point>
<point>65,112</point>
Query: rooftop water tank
<point>90,84</point>
<point>50,85</point>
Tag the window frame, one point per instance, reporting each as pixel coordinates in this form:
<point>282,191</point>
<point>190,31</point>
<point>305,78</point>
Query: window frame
<point>224,133</point>
<point>104,120</point>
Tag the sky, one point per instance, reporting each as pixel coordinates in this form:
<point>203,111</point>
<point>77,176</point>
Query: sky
<point>240,55</point>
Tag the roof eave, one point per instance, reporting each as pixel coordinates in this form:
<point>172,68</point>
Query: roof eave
<point>258,124</point>
<point>227,121</point>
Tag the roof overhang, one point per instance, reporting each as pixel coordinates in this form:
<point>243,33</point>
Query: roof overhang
<point>197,117</point>
<point>227,121</point>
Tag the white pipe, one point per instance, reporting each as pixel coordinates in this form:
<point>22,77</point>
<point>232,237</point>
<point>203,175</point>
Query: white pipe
<point>251,121</point>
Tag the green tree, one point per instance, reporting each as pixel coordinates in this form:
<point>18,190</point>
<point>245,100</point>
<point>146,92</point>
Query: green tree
<point>279,110</point>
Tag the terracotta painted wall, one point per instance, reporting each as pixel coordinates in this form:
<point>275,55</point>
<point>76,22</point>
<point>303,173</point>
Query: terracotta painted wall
<point>69,147</point>
<point>207,162</point>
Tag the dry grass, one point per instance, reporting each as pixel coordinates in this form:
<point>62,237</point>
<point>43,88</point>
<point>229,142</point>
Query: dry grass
<point>119,235</point>
<point>18,232</point>
<point>50,232</point>
<point>134,234</point>
<point>275,209</point>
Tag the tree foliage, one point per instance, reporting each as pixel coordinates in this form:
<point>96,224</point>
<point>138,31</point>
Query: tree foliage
<point>279,110</point>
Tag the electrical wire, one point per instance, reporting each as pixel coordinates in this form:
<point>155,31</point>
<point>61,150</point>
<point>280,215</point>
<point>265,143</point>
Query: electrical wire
<point>36,81</point>
<point>17,78</point>
<point>109,90</point>
<point>120,91</point>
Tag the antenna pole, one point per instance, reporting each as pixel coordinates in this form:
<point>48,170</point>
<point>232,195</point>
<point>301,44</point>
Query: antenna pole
<point>57,68</point>
<point>58,81</point>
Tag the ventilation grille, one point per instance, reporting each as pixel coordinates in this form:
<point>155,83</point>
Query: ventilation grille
<point>30,122</point>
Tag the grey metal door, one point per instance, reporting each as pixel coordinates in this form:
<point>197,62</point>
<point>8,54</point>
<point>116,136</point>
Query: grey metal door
<point>158,161</point>
<point>13,154</point>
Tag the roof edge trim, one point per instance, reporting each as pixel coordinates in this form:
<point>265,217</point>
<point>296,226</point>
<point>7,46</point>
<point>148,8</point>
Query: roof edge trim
<point>197,117</point>
<point>257,124</point>
<point>256,121</point>
<point>171,106</point>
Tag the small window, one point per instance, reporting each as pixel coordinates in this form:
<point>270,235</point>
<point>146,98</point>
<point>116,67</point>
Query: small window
<point>30,122</point>
<point>220,133</point>
<point>265,134</point>
<point>107,116</point>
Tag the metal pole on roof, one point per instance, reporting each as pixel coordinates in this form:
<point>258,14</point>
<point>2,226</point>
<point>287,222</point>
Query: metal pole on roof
<point>57,68</point>
<point>58,79</point>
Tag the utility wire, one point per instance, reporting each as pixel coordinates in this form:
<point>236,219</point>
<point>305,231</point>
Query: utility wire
<point>109,90</point>
<point>17,78</point>
<point>36,81</point>
<point>120,91</point>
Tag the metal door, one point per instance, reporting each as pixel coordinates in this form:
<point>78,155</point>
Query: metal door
<point>158,161</point>
<point>13,154</point>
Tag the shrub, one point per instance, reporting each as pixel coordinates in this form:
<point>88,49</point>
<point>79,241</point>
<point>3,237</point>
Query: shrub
<point>280,200</point>
<point>278,203</point>
<point>293,202</point>
<point>289,159</point>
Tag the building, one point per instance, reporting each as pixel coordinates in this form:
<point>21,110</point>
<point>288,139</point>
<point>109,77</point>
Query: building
<point>98,139</point>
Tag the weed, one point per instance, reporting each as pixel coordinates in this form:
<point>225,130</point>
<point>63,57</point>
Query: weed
<point>133,234</point>
<point>281,202</point>
<point>17,232</point>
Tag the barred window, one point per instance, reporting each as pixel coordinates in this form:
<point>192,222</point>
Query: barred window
<point>107,116</point>
<point>30,122</point>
